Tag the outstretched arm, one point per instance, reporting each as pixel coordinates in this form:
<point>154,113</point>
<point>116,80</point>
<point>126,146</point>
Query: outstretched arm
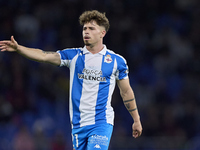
<point>31,53</point>
<point>130,103</point>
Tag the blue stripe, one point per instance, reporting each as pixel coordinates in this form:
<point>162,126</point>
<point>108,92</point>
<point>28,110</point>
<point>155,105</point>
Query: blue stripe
<point>68,54</point>
<point>122,67</point>
<point>77,91</point>
<point>102,97</point>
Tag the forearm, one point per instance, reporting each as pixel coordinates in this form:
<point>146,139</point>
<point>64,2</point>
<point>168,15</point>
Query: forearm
<point>132,108</point>
<point>128,97</point>
<point>130,104</point>
<point>31,53</point>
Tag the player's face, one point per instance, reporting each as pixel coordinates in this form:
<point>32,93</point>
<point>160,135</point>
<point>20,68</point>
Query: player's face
<point>93,33</point>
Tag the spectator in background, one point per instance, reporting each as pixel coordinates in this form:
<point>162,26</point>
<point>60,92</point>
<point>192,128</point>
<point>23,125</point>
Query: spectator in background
<point>23,140</point>
<point>58,142</point>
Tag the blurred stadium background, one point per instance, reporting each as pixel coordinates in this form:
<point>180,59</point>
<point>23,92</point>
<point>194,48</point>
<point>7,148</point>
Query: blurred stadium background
<point>159,39</point>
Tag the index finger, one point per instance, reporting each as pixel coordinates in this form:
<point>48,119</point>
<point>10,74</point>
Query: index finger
<point>5,42</point>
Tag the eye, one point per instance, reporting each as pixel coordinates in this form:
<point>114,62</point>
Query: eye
<point>92,28</point>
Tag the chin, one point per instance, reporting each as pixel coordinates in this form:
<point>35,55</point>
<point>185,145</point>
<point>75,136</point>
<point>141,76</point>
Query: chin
<point>87,44</point>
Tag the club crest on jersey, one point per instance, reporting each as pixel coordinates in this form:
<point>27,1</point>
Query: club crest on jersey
<point>108,59</point>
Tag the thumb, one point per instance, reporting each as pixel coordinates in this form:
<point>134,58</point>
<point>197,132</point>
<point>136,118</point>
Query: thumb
<point>13,43</point>
<point>13,40</point>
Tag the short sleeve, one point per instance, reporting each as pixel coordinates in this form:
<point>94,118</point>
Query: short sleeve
<point>67,55</point>
<point>122,68</point>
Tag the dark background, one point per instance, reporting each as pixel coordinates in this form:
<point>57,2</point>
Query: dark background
<point>160,41</point>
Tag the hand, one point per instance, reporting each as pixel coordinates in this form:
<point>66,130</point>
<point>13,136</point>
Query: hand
<point>137,129</point>
<point>10,46</point>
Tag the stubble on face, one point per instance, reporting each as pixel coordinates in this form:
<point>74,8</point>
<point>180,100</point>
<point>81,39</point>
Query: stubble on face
<point>86,42</point>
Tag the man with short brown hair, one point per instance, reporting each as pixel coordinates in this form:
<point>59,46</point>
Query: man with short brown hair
<point>94,71</point>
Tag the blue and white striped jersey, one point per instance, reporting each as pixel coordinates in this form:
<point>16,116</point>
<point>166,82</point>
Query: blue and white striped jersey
<point>92,82</point>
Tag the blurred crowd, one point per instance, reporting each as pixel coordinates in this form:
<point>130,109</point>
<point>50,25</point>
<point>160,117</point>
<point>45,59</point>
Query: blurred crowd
<point>160,41</point>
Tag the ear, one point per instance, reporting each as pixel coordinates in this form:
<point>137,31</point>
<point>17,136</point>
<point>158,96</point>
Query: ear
<point>103,33</point>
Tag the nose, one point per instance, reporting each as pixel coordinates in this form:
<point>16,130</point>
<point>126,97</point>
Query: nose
<point>86,31</point>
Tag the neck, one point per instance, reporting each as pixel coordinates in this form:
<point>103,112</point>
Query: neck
<point>95,48</point>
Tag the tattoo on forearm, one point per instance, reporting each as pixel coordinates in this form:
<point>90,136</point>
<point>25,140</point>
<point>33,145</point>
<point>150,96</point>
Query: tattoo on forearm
<point>127,106</point>
<point>132,110</point>
<point>129,100</point>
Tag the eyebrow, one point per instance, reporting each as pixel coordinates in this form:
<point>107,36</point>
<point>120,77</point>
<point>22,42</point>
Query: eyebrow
<point>89,27</point>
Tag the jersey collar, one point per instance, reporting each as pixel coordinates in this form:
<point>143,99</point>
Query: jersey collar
<point>102,52</point>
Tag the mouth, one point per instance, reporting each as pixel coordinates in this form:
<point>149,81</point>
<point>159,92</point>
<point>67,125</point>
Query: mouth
<point>86,37</point>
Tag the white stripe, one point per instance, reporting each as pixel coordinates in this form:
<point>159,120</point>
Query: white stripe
<point>89,91</point>
<point>72,69</point>
<point>109,110</point>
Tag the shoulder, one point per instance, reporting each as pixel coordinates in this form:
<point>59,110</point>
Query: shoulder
<point>118,57</point>
<point>69,52</point>
<point>71,49</point>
